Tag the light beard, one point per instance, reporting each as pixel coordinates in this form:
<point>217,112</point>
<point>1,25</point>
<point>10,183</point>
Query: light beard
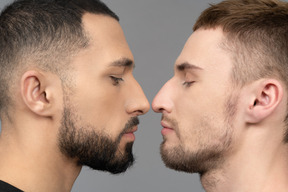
<point>207,158</point>
<point>200,161</point>
<point>95,150</point>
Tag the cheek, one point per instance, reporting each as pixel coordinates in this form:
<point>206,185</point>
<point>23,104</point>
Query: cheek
<point>200,120</point>
<point>203,132</point>
<point>103,109</point>
<point>198,101</point>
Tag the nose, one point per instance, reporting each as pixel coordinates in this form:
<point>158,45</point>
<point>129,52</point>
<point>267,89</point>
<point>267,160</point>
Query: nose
<point>163,99</point>
<point>138,103</point>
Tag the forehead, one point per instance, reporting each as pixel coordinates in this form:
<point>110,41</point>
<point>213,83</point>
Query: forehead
<point>106,38</point>
<point>204,49</point>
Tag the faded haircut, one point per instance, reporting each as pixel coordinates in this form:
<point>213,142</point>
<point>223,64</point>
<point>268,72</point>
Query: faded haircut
<point>44,34</point>
<point>255,36</point>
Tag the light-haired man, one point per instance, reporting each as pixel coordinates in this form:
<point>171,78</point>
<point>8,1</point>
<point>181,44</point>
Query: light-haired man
<point>224,113</point>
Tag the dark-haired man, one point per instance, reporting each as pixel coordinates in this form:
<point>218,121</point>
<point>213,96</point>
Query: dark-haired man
<point>225,109</point>
<point>68,95</point>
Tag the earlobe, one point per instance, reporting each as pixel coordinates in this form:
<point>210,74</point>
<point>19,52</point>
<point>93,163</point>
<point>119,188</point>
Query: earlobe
<point>266,96</point>
<point>33,92</point>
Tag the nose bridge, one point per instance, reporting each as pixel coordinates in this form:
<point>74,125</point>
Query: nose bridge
<point>163,99</point>
<point>138,102</point>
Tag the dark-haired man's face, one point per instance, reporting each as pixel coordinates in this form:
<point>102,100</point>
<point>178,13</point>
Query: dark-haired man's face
<point>103,100</point>
<point>198,106</point>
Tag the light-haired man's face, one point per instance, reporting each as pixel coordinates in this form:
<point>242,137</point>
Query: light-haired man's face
<point>197,105</point>
<point>104,100</point>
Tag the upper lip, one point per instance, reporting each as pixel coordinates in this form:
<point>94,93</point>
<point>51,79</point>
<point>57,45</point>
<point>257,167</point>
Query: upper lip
<point>166,125</point>
<point>132,130</point>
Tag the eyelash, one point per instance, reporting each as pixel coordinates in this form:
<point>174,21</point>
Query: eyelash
<point>116,80</point>
<point>188,84</point>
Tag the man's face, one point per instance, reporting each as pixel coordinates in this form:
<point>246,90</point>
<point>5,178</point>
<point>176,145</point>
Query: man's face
<point>104,100</point>
<point>197,105</point>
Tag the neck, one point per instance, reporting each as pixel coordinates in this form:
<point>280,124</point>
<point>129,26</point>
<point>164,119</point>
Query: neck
<point>33,162</point>
<point>258,165</point>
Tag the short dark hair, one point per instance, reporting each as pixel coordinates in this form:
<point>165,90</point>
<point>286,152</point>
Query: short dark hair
<point>41,33</point>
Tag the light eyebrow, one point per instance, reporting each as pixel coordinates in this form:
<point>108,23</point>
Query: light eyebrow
<point>186,65</point>
<point>124,62</point>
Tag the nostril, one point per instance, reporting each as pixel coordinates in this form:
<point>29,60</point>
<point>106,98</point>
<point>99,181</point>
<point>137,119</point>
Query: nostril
<point>139,112</point>
<point>160,110</point>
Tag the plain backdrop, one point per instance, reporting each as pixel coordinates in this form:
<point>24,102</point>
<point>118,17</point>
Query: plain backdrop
<point>156,31</point>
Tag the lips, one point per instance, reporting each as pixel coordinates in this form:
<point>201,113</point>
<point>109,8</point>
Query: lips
<point>132,130</point>
<point>166,125</point>
<point>129,134</point>
<point>167,129</point>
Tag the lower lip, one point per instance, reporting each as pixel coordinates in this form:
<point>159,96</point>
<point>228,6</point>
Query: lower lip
<point>166,131</point>
<point>129,136</point>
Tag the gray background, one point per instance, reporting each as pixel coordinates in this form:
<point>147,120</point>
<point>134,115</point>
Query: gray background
<point>156,31</point>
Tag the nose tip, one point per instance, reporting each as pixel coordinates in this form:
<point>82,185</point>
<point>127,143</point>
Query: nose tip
<point>140,107</point>
<point>145,106</point>
<point>163,101</point>
<point>157,104</point>
<point>138,103</point>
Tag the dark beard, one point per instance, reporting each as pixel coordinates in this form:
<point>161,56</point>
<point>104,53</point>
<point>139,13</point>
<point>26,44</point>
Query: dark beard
<point>94,149</point>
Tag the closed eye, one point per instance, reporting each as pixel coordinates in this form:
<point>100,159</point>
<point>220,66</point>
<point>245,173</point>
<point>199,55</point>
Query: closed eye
<point>188,83</point>
<point>116,80</point>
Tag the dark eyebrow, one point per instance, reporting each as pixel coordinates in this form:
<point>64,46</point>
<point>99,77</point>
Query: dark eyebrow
<point>184,66</point>
<point>124,62</point>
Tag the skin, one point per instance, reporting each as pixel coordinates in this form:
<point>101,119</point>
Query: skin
<point>30,142</point>
<point>231,135</point>
<point>102,100</point>
<point>174,99</point>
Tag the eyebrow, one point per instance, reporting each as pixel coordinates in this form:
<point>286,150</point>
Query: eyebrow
<point>186,65</point>
<point>124,62</point>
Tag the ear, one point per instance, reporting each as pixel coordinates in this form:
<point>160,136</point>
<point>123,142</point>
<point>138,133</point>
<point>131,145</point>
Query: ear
<point>36,92</point>
<point>266,94</point>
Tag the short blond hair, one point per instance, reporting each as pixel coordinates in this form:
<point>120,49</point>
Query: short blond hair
<point>256,36</point>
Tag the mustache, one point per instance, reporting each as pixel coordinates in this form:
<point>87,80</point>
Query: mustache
<point>131,123</point>
<point>171,121</point>
<point>129,126</point>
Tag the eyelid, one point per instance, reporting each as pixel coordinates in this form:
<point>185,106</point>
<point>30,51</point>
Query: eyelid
<point>188,83</point>
<point>189,79</point>
<point>116,80</point>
